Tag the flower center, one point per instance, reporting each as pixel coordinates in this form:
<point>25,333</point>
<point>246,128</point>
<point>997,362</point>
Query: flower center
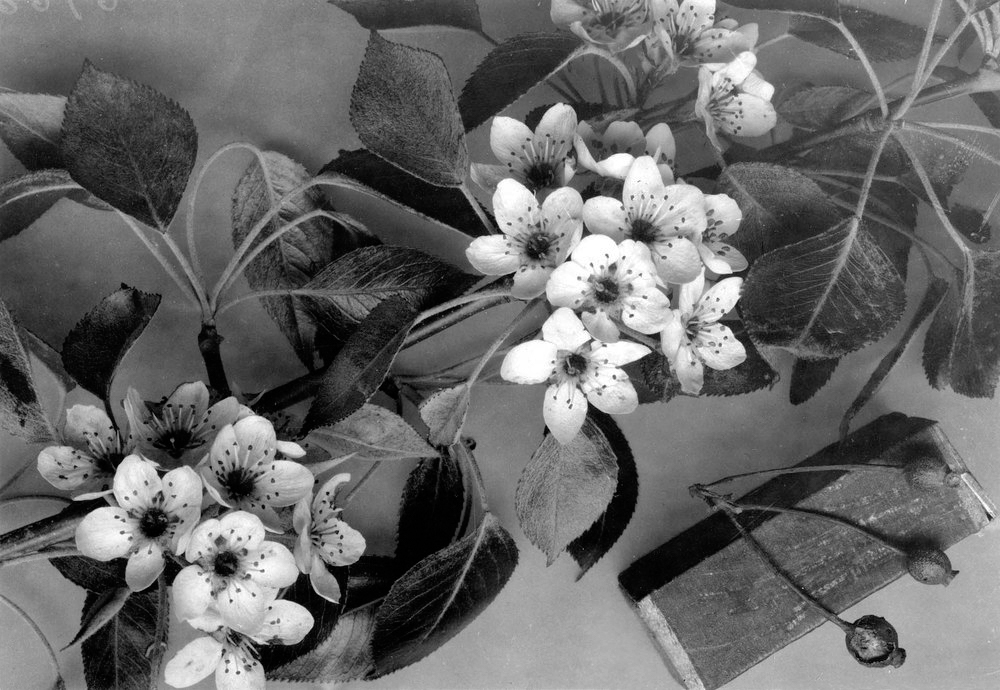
<point>174,442</point>
<point>153,523</point>
<point>575,364</point>
<point>108,462</point>
<point>536,247</point>
<point>692,328</point>
<point>606,290</point>
<point>226,563</point>
<point>240,483</point>
<point>539,176</point>
<point>643,231</point>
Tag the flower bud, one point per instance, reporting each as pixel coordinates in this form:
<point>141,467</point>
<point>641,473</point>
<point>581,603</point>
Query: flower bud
<point>874,643</point>
<point>930,566</point>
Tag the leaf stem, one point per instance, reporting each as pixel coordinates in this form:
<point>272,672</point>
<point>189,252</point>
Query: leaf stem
<point>501,339</point>
<point>23,615</point>
<point>209,342</point>
<point>475,304</point>
<point>483,218</point>
<point>771,41</point>
<point>925,50</point>
<point>187,290</point>
<point>35,497</point>
<point>760,474</point>
<point>865,63</point>
<point>159,645</point>
<point>925,70</point>
<point>477,476</point>
<point>39,556</point>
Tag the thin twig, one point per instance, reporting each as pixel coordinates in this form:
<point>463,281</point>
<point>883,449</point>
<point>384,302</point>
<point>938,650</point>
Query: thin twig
<point>361,482</point>
<point>925,51</point>
<point>22,614</point>
<point>922,78</point>
<point>187,290</point>
<point>480,213</point>
<point>865,63</point>
<point>46,555</point>
<point>477,476</point>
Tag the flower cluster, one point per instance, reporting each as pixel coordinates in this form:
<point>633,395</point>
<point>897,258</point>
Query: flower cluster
<point>200,484</point>
<point>625,273</point>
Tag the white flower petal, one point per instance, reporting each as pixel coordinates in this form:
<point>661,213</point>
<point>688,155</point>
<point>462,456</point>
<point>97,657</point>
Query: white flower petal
<point>712,262</point>
<point>689,369</point>
<point>272,565</point>
<point>202,542</point>
<point>555,130</point>
<point>136,483</point>
<point>239,671</point>
<point>567,285</point>
<point>683,210</point>
<point>600,326</point>
<point>493,255</point>
<point>341,544</point>
<point>226,411</point>
<point>529,363</point>
<point>529,281</point>
<point>285,482</point>
<point>241,528</point>
<point>718,347</point>
<point>595,253</point>
<point>605,216</point>
<point>192,588</point>
<point>514,207</point>
<point>290,449</point>
<point>143,566</point>
<point>564,411</point>
<point>612,392</point>
<point>323,582</point>
<point>618,354</point>
<point>90,427</point>
<point>561,204</point>
<point>192,396</point>
<point>322,505</point>
<point>672,336</point>
<point>67,468</point>
<point>722,215</point>
<point>718,300</point>
<point>660,144</point>
<point>256,438</point>
<point>677,260</point>
<point>642,183</point>
<point>242,604</point>
<point>106,533</point>
<point>285,623</point>
<point>751,116</point>
<point>508,137</point>
<point>194,662</point>
<point>647,311</point>
<point>564,330</point>
<point>182,489</point>
<point>616,166</point>
<point>489,176</point>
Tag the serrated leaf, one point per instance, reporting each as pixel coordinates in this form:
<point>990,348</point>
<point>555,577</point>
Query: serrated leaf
<point>116,655</point>
<point>510,70</point>
<point>299,254</point>
<point>825,296</point>
<point>30,126</point>
<point>434,600</point>
<point>808,377</point>
<point>404,110</point>
<point>933,295</point>
<point>823,8</point>
<point>99,613</point>
<point>95,346</point>
<point>780,206</point>
<point>819,107</point>
<point>359,281</point>
<point>431,509</point>
<point>21,412</point>
<point>565,488</point>
<point>371,433</point>
<point>656,382</point>
<point>129,145</point>
<point>360,367</point>
<point>345,655</point>
<point>884,39</point>
<point>93,576</point>
<point>971,222</point>
<point>24,199</point>
<point>444,413</point>
<point>597,540</point>
<point>962,349</point>
<point>444,204</point>
<point>401,14</point>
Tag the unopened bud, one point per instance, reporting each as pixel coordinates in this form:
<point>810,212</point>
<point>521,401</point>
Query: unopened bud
<point>930,566</point>
<point>873,642</point>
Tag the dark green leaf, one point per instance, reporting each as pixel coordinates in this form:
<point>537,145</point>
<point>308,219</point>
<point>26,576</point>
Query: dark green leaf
<point>440,595</point>
<point>299,254</point>
<point>853,151</point>
<point>962,349</point>
<point>824,296</point>
<point>590,547</point>
<point>401,14</point>
<point>357,282</point>
<point>445,204</point>
<point>129,145</point>
<point>819,107</point>
<point>116,655</point>
<point>325,616</point>
<point>99,613</point>
<point>371,433</point>
<point>21,412</point>
<point>808,377</point>
<point>24,199</point>
<point>883,38</point>
<point>822,8</point>
<point>30,125</point>
<point>510,70</point>
<point>989,103</point>
<point>345,655</point>
<point>780,206</point>
<point>565,488</point>
<point>444,413</point>
<point>431,510</point>
<point>360,367</point>
<point>655,382</point>
<point>971,222</point>
<point>47,355</point>
<point>935,292</point>
<point>96,345</point>
<point>93,576</point>
<point>404,110</point>
<point>944,162</point>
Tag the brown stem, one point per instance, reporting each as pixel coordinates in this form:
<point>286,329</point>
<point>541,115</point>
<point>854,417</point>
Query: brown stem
<point>209,341</point>
<point>45,532</point>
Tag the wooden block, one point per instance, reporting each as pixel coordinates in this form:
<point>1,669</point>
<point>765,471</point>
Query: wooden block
<point>715,609</point>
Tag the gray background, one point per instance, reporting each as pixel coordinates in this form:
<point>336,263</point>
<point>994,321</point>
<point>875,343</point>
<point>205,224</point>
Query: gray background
<point>279,74</point>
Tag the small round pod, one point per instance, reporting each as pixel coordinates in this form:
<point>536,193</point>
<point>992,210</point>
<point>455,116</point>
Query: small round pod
<point>873,642</point>
<point>927,473</point>
<point>930,566</point>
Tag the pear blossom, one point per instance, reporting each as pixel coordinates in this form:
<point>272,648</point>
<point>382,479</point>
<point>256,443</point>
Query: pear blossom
<point>152,515</point>
<point>610,283</point>
<point>578,370</point>
<point>619,145</point>
<point>534,240</point>
<point>686,33</point>
<point>539,160</point>
<point>234,569</point>
<point>734,99</point>
<point>94,449</point>
<point>694,338</point>
<point>183,424</point>
<point>614,25</point>
<point>231,652</point>
<point>325,539</point>
<point>242,470</point>
<point>722,219</point>
<point>669,219</point>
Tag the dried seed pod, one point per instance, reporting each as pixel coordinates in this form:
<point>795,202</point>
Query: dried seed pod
<point>873,642</point>
<point>930,566</point>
